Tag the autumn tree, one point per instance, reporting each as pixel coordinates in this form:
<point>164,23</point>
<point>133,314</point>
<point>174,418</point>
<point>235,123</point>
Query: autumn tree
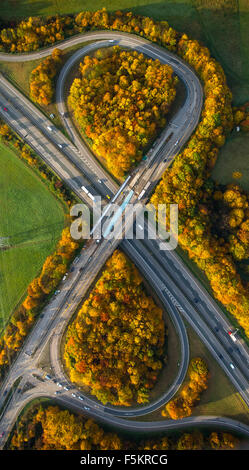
<point>115,346</point>
<point>42,78</point>
<point>120,101</point>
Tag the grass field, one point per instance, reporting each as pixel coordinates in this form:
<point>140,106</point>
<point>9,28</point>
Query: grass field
<point>19,74</point>
<point>221,397</point>
<point>224,30</point>
<point>29,228</point>
<point>234,156</point>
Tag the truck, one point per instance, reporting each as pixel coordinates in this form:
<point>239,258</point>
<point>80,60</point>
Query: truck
<point>232,336</point>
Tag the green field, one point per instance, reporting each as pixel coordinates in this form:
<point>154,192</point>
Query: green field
<point>30,223</point>
<point>234,156</point>
<point>221,397</point>
<point>18,73</point>
<point>222,24</point>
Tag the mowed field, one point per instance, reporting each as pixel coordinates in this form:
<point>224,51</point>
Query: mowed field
<point>31,221</point>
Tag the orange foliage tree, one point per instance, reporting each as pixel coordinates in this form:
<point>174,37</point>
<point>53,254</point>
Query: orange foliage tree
<point>120,102</point>
<point>115,346</point>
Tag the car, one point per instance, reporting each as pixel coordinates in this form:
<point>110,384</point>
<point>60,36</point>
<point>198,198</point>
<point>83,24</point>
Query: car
<point>28,353</point>
<point>52,116</point>
<point>57,292</point>
<point>238,351</point>
<point>72,269</point>
<point>5,109</point>
<point>196,299</point>
<point>216,329</point>
<point>108,197</point>
<point>19,390</point>
<point>98,241</point>
<point>66,387</point>
<point>5,393</point>
<point>86,408</point>
<point>59,145</point>
<point>74,395</point>
<point>220,356</point>
<point>76,259</point>
<point>231,365</point>
<point>99,181</point>
<point>48,377</point>
<point>80,398</point>
<point>164,161</point>
<point>49,128</point>
<point>59,384</point>
<point>64,278</point>
<point>81,269</point>
<point>57,392</point>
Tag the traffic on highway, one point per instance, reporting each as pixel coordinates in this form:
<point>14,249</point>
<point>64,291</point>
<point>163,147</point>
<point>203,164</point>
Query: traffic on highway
<point>176,287</point>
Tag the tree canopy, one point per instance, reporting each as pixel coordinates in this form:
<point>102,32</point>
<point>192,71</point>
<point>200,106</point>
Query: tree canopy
<point>115,346</point>
<point>120,102</point>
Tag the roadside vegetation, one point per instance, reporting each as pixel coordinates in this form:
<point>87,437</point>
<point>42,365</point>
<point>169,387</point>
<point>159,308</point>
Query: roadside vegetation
<point>54,266</point>
<point>21,74</point>
<point>219,398</point>
<point>28,231</point>
<point>116,344</point>
<point>187,181</point>
<point>42,85</point>
<point>47,427</point>
<point>181,406</point>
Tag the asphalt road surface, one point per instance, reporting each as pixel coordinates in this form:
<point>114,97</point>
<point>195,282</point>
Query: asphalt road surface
<point>175,285</point>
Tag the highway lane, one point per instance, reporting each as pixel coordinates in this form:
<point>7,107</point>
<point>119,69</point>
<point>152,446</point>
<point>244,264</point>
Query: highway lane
<point>238,351</point>
<point>57,315</point>
<point>61,165</point>
<point>63,148</point>
<point>150,163</point>
<point>193,291</point>
<point>192,104</point>
<point>145,427</point>
<point>186,118</point>
<point>55,347</point>
<point>170,289</point>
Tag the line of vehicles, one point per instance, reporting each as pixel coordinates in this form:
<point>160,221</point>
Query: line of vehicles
<point>66,388</point>
<point>146,187</point>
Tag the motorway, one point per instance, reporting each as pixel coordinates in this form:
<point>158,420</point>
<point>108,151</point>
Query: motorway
<point>174,284</point>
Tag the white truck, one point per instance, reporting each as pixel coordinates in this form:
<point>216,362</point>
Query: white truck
<point>232,335</point>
